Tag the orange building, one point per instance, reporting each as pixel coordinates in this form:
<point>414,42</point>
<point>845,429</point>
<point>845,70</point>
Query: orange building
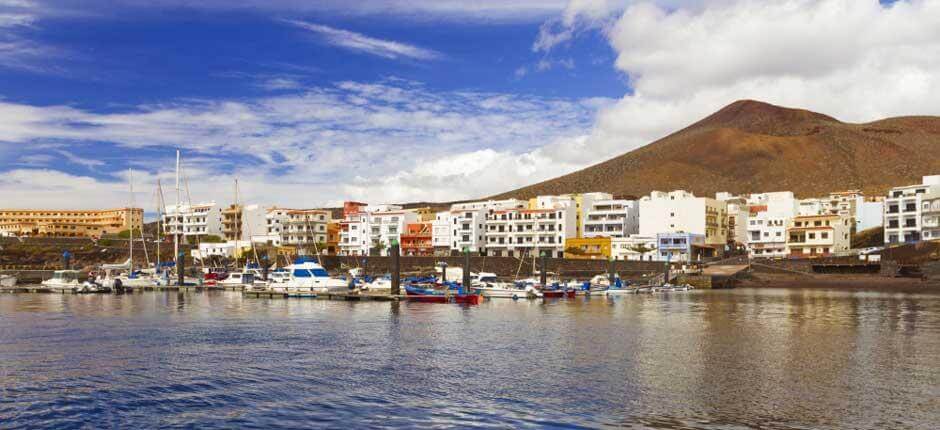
<point>332,238</point>
<point>416,240</point>
<point>68,223</point>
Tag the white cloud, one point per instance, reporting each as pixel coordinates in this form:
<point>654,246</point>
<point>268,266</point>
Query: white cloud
<point>855,60</point>
<point>393,140</point>
<point>280,83</point>
<point>370,45</point>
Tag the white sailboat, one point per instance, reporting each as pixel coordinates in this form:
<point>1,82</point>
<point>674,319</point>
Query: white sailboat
<point>118,276</point>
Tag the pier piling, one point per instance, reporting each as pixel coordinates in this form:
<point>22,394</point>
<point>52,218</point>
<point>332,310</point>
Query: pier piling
<point>543,275</point>
<point>466,271</point>
<point>394,251</point>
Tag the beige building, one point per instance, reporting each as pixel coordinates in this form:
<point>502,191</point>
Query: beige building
<point>68,223</point>
<point>818,236</point>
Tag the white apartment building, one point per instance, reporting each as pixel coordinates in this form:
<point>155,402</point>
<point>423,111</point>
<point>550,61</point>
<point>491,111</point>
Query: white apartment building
<point>529,232</point>
<point>682,212</point>
<point>192,221</point>
<point>903,216</point>
<point>374,227</point>
<point>468,222</point>
<point>441,232</point>
<point>869,214</point>
<point>767,235</point>
<point>812,206</point>
<point>304,227</point>
<point>813,236</point>
<point>930,208</point>
<point>634,248</point>
<point>242,222</point>
<point>611,218</point>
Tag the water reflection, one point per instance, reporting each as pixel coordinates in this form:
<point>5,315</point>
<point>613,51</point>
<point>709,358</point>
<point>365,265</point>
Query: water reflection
<point>703,359</point>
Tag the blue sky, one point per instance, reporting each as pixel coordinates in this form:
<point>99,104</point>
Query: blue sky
<point>310,103</point>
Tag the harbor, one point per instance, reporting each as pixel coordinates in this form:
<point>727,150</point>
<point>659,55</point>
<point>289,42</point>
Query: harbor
<point>220,359</point>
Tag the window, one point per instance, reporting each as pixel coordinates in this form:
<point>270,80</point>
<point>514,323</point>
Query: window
<point>824,235</point>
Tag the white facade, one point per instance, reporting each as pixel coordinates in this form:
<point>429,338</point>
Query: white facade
<point>529,232</point>
<point>374,227</point>
<point>681,212</point>
<point>441,230</point>
<point>869,214</point>
<point>808,207</point>
<point>468,222</point>
<point>930,208</point>
<point>634,248</point>
<point>193,221</point>
<point>903,211</point>
<point>254,221</point>
<point>767,235</point>
<point>611,218</point>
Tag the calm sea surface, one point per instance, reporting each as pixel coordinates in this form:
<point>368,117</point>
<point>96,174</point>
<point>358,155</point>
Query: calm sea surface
<point>775,359</point>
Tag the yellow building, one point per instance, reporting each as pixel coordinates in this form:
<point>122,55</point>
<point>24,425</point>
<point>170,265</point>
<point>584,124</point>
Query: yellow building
<point>425,214</point>
<point>593,248</point>
<point>68,223</point>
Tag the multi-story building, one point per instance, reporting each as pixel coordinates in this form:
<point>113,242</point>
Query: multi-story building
<point>904,211</point>
<point>416,240</point>
<point>530,232</point>
<point>468,219</point>
<point>582,202</point>
<point>869,214</point>
<point>634,248</point>
<point>767,235</point>
<point>373,227</point>
<point>68,223</point>
<point>930,210</point>
<point>242,222</point>
<point>682,247</point>
<point>332,238</point>
<point>441,233</point>
<point>682,212</point>
<point>587,248</point>
<point>305,228</point>
<point>812,236</point>
<point>610,218</point>
<point>844,204</point>
<point>192,222</point>
<point>424,214</point>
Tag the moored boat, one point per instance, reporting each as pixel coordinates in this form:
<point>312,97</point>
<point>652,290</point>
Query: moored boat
<point>7,281</point>
<point>63,280</point>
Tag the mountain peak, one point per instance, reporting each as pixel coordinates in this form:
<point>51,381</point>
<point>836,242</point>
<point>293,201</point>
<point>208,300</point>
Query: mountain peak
<point>752,146</point>
<point>764,118</point>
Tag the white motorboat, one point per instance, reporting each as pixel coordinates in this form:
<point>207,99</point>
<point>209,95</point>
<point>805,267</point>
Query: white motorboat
<point>7,281</point>
<point>63,280</point>
<point>503,290</point>
<point>620,291</point>
<point>383,284</point>
<point>237,279</point>
<point>307,276</point>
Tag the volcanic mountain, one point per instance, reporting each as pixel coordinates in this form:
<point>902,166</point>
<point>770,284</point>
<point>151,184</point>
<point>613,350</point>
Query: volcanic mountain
<point>751,146</point>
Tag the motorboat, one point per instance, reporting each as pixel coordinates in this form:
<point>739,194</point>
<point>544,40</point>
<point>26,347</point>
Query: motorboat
<point>504,290</point>
<point>92,286</point>
<point>7,281</point>
<point>63,280</point>
<point>383,284</point>
<point>306,275</point>
<point>237,279</point>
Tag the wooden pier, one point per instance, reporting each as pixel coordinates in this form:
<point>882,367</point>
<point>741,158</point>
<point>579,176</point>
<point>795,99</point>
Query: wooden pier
<point>349,297</point>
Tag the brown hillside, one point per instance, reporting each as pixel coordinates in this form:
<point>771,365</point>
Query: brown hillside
<point>750,146</point>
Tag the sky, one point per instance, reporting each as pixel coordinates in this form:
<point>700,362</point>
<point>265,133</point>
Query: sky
<point>308,104</point>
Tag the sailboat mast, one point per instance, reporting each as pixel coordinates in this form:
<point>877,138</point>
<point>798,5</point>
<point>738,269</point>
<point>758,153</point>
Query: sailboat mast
<point>176,216</point>
<point>130,212</point>
<point>160,223</point>
<point>237,226</point>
